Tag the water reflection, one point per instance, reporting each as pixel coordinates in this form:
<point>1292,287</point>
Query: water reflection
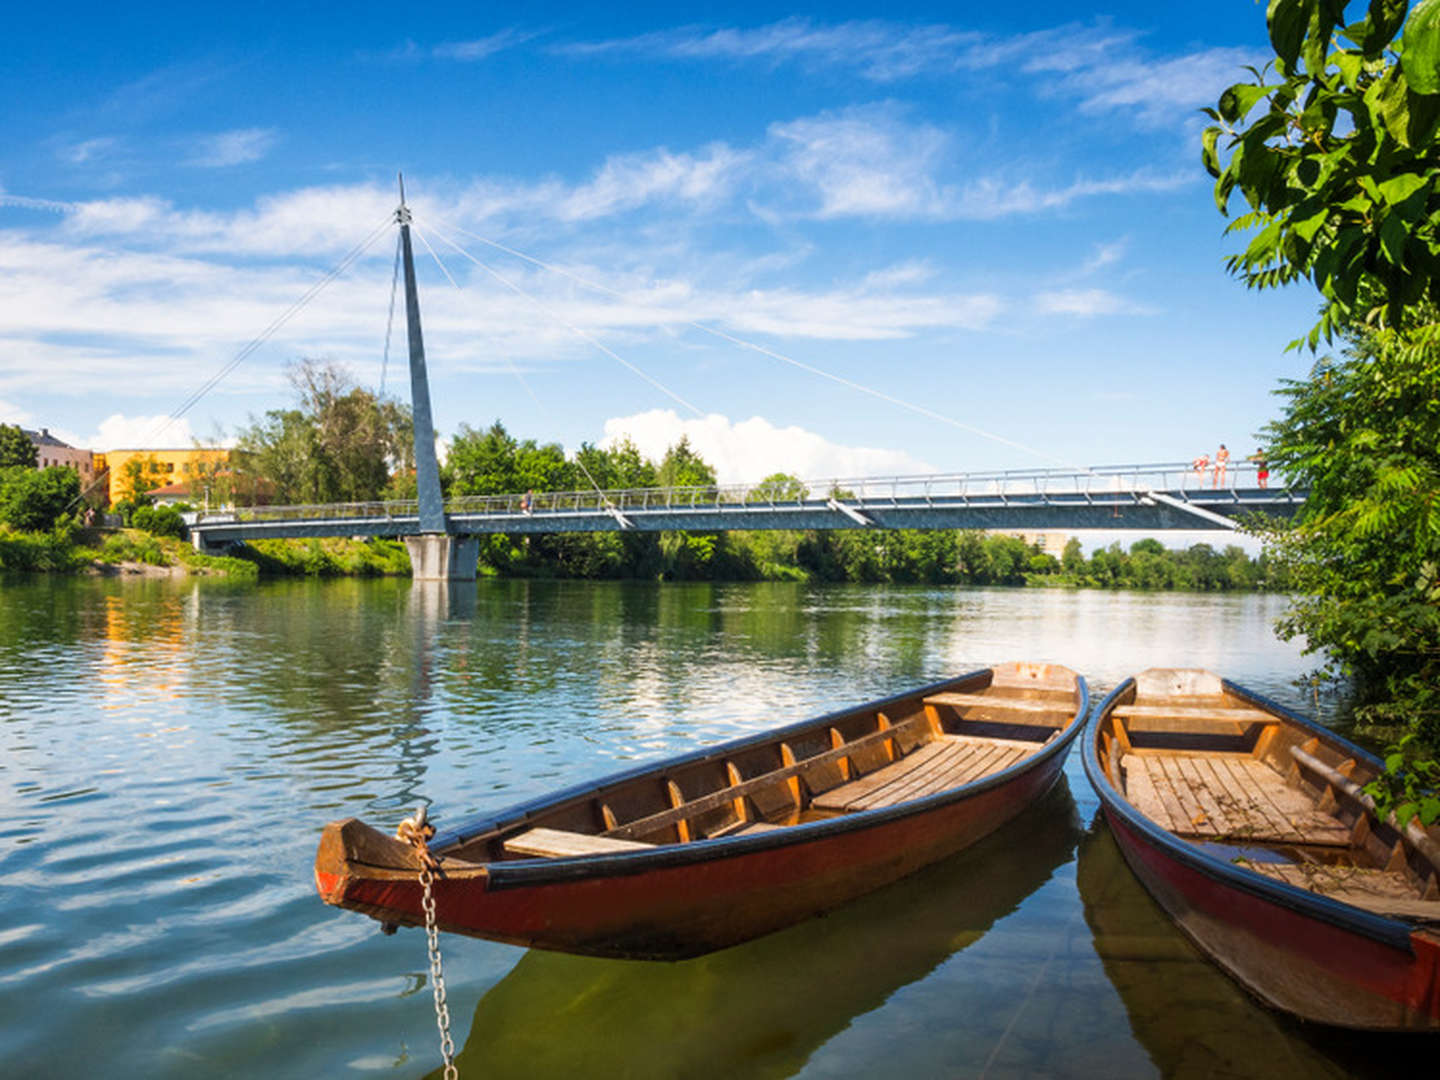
<point>761,1009</point>
<point>1192,1018</point>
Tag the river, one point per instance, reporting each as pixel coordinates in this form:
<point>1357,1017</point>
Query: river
<point>172,748</point>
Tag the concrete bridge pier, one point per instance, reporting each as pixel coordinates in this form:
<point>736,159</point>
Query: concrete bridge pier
<point>442,557</point>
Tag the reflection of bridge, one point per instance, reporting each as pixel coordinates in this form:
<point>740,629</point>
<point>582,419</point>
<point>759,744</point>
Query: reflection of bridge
<point>1149,497</point>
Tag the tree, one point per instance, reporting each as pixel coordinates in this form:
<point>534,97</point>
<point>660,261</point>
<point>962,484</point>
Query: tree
<point>16,449</point>
<point>138,477</point>
<point>341,444</point>
<point>1343,182</point>
<point>35,500</point>
<point>1339,168</point>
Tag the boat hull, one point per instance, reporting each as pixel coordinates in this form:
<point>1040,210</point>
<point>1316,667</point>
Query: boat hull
<point>1292,961</point>
<point>1320,960</point>
<point>705,896</point>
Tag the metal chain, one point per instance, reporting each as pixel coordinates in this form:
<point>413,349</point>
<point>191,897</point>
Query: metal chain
<point>437,976</point>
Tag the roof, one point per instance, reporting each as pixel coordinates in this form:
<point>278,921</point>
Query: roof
<point>44,438</point>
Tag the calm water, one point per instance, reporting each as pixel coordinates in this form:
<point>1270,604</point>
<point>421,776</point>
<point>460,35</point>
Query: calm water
<point>171,750</point>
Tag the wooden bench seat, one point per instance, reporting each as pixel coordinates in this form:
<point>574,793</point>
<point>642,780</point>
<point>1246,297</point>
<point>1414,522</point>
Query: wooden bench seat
<point>1193,712</point>
<point>989,701</point>
<point>1226,797</point>
<point>559,844</point>
<point>946,762</point>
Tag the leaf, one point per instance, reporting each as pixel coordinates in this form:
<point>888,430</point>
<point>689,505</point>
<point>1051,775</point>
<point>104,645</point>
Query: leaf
<point>1420,60</point>
<point>1286,20</point>
<point>1398,189</point>
<point>1209,155</point>
<point>1239,99</point>
<point>1386,18</point>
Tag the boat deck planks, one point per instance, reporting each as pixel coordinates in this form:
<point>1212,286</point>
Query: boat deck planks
<point>1389,892</point>
<point>1222,797</point>
<point>946,762</point>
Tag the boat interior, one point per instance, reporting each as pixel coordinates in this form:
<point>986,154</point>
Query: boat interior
<point>862,760</point>
<point>1210,767</point>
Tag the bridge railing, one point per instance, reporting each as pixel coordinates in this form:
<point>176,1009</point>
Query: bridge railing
<point>1100,481</point>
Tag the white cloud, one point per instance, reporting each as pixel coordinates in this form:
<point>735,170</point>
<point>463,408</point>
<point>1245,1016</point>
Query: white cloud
<point>1086,303</point>
<point>10,413</point>
<point>120,432</point>
<point>749,450</point>
<point>865,162</point>
<point>226,148</point>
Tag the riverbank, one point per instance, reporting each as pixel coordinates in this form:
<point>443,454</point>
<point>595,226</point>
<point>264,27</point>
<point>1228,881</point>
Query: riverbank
<point>903,558</point>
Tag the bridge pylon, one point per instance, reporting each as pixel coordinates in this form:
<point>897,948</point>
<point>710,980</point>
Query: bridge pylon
<point>437,554</point>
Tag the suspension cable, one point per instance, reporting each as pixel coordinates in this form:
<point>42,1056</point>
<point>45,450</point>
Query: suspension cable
<point>250,347</point>
<point>390,319</point>
<point>570,326</point>
<point>514,370</point>
<point>773,354</point>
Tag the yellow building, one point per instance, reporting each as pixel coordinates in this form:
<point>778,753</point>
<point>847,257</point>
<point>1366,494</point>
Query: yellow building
<point>158,468</point>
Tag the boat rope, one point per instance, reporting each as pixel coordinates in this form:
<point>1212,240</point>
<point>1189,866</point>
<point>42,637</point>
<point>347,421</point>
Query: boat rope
<point>416,832</point>
<point>774,355</point>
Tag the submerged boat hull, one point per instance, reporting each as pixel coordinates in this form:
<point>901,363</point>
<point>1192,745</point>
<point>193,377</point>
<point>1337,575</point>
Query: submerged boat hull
<point>683,899</point>
<point>1307,954</point>
<point>1289,959</point>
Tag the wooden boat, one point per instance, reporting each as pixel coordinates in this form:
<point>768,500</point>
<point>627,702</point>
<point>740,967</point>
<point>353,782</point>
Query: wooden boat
<point>1248,825</point>
<point>727,843</point>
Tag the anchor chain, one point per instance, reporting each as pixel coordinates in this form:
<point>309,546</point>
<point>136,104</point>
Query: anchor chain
<point>417,832</point>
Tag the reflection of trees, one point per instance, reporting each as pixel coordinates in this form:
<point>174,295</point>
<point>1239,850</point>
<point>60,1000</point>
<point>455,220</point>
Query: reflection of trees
<point>761,1009</point>
<point>1194,1020</point>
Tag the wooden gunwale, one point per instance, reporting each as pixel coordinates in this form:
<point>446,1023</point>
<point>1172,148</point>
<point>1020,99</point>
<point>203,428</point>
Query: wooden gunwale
<point>1393,932</point>
<point>530,872</point>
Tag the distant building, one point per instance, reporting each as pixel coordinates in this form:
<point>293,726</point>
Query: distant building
<point>50,451</point>
<point>162,468</point>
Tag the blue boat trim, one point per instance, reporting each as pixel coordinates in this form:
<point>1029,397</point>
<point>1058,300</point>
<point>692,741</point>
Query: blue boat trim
<point>529,872</point>
<point>1393,932</point>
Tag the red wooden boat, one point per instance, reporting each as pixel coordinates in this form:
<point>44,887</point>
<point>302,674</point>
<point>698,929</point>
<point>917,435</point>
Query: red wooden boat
<point>1249,826</point>
<point>722,845</point>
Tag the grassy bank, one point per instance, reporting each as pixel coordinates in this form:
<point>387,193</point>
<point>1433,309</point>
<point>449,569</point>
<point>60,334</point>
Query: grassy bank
<point>90,551</point>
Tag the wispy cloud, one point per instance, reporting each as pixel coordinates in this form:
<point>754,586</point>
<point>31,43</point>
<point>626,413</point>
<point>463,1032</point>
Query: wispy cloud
<point>1087,303</point>
<point>1103,66</point>
<point>480,48</point>
<point>226,148</point>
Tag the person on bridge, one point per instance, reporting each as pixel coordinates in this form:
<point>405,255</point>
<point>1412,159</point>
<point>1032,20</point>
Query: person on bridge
<point>527,501</point>
<point>1200,465</point>
<point>1222,462</point>
<point>1262,470</point>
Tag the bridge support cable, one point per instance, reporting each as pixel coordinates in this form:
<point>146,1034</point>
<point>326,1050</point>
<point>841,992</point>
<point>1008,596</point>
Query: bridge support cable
<point>390,319</point>
<point>571,326</point>
<point>772,354</point>
<point>624,522</point>
<point>1191,508</point>
<point>250,347</point>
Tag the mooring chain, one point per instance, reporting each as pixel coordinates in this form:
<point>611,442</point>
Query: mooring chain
<point>417,832</point>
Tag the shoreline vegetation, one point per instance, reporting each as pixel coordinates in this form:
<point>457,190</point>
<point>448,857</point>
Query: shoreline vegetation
<point>900,557</point>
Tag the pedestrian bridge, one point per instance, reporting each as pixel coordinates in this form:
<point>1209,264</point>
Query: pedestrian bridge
<point>1140,497</point>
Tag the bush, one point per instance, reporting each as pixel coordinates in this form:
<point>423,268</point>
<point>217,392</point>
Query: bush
<point>158,520</point>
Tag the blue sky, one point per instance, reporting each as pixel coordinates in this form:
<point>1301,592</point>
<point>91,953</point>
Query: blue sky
<point>993,213</point>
